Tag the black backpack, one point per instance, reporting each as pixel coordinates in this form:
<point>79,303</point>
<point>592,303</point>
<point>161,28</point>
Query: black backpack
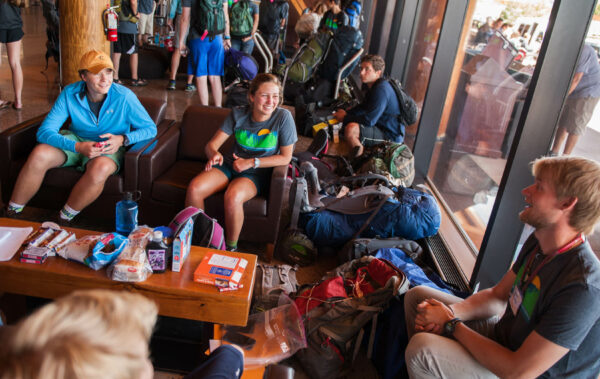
<point>408,107</point>
<point>210,17</point>
<point>346,42</point>
<point>269,21</point>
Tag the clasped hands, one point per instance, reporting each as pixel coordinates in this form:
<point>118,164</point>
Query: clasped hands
<point>110,145</point>
<point>239,164</point>
<point>432,314</point>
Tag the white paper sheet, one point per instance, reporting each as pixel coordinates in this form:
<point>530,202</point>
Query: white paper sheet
<point>11,239</point>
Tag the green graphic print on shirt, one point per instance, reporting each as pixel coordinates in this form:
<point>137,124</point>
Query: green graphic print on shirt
<point>530,295</point>
<point>263,143</point>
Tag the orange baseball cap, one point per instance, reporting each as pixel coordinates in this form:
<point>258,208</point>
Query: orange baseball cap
<point>95,61</point>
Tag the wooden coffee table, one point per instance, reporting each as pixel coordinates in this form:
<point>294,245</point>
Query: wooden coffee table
<point>175,293</point>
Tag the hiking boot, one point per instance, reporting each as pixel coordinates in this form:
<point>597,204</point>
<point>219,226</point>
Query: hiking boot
<point>172,85</point>
<point>189,87</point>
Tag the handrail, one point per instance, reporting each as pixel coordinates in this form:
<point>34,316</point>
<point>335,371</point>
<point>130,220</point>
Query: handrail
<point>265,51</point>
<point>342,69</point>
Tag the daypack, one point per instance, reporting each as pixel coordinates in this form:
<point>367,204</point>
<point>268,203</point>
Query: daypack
<point>408,107</point>
<point>353,8</point>
<point>124,11</point>
<point>207,231</point>
<point>240,19</point>
<point>210,18</point>
<point>243,65</point>
<point>346,42</point>
<point>311,55</point>
<point>269,21</point>
<point>336,309</point>
<point>393,160</point>
<point>270,282</point>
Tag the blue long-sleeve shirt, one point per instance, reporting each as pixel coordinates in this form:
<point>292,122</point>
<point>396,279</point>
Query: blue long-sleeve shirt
<point>380,108</point>
<point>120,114</point>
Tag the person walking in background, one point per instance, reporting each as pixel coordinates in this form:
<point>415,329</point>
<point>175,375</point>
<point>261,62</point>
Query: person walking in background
<point>273,18</point>
<point>208,23</point>
<point>581,102</point>
<point>174,12</point>
<point>127,42</point>
<point>243,18</point>
<point>146,23</point>
<point>11,34</point>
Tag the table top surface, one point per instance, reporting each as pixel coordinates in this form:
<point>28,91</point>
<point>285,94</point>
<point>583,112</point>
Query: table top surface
<point>170,289</point>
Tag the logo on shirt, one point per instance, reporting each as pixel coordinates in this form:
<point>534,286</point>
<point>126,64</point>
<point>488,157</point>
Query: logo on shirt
<point>262,142</point>
<point>531,293</point>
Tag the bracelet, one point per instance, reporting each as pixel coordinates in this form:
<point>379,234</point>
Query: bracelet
<point>226,37</point>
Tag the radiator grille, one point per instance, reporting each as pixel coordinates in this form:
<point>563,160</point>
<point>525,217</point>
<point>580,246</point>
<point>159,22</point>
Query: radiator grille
<point>445,264</point>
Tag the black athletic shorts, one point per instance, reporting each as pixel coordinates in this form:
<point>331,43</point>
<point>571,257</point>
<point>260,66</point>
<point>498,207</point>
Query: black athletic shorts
<point>11,35</point>
<point>126,44</point>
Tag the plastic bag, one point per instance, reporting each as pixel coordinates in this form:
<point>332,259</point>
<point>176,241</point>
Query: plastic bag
<point>94,251</point>
<point>269,336</point>
<point>132,264</point>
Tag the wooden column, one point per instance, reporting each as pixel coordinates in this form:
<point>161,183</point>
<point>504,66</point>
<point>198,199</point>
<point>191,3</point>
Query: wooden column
<point>81,29</point>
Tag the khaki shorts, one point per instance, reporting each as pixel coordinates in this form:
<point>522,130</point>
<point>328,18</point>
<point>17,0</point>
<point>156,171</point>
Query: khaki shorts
<point>146,24</point>
<point>79,161</point>
<point>577,114</point>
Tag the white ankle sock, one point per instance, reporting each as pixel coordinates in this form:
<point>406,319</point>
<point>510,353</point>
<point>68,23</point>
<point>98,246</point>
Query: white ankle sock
<point>15,207</point>
<point>67,213</point>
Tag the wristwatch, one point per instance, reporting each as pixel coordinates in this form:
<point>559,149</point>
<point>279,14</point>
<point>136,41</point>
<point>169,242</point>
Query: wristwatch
<point>450,326</point>
<point>256,162</point>
<point>125,141</point>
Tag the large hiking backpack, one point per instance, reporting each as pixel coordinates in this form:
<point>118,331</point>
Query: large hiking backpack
<point>269,21</point>
<point>346,42</point>
<point>207,231</point>
<point>408,107</point>
<point>240,19</point>
<point>353,8</point>
<point>309,58</point>
<point>393,160</point>
<point>210,18</point>
<point>336,309</point>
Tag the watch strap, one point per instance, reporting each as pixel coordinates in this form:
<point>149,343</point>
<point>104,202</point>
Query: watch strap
<point>450,326</point>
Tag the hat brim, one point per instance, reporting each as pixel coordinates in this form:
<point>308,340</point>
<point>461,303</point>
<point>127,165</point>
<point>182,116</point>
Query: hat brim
<point>99,67</point>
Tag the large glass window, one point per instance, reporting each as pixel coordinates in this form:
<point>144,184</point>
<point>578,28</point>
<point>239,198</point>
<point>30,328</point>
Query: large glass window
<point>424,45</point>
<point>496,58</point>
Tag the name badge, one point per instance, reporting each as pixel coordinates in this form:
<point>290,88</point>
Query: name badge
<point>515,300</point>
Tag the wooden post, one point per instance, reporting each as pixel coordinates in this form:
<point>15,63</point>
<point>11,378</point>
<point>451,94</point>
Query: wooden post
<point>81,29</point>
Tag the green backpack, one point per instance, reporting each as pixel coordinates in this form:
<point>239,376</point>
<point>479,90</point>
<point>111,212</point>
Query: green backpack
<point>210,17</point>
<point>240,19</point>
<point>309,58</point>
<point>124,11</point>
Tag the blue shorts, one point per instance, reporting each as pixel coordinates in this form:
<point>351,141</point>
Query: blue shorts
<point>206,57</point>
<point>261,177</point>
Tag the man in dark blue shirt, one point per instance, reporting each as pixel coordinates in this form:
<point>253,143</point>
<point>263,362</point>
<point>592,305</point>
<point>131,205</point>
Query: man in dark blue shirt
<point>376,118</point>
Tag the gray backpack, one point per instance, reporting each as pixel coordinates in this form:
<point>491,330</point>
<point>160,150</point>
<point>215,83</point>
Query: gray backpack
<point>270,282</point>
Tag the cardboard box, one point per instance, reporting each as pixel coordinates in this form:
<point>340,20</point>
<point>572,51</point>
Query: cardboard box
<point>182,244</point>
<point>220,269</point>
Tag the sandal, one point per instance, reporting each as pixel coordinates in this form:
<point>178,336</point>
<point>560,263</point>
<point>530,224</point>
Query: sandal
<point>5,104</point>
<point>118,81</point>
<point>139,82</point>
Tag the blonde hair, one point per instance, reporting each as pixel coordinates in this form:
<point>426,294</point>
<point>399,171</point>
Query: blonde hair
<point>87,334</point>
<point>574,177</point>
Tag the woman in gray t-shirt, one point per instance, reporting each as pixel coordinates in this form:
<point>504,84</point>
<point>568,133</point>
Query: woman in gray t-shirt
<point>264,137</point>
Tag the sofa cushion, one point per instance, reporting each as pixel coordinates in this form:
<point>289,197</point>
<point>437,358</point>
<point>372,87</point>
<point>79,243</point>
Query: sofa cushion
<point>171,188</point>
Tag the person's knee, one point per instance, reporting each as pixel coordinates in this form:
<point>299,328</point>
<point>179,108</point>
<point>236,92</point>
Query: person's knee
<point>234,198</point>
<point>44,157</point>
<point>98,170</point>
<point>352,130</point>
<point>418,349</point>
<point>197,189</point>
<point>416,295</point>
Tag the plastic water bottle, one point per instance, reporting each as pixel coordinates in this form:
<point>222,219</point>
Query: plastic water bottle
<point>156,38</point>
<point>126,214</point>
<point>159,254</point>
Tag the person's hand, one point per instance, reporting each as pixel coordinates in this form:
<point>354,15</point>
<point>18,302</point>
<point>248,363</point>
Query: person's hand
<point>432,314</point>
<point>170,22</point>
<point>183,48</point>
<point>215,160</point>
<point>247,38</point>
<point>241,164</point>
<point>112,143</point>
<point>339,114</point>
<point>227,44</point>
<point>88,149</point>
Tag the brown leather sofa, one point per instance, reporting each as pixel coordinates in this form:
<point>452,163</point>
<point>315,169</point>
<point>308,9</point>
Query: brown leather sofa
<point>179,156</point>
<point>17,142</point>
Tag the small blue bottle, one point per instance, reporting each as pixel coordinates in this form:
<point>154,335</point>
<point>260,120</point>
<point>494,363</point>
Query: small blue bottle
<point>126,214</point>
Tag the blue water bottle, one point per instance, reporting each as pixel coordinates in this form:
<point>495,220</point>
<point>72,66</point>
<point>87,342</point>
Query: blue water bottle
<point>127,214</point>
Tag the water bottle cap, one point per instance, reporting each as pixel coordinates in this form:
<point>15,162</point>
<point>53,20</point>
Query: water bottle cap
<point>157,235</point>
<point>128,196</point>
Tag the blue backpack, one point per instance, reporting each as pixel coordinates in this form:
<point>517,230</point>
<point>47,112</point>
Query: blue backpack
<point>353,8</point>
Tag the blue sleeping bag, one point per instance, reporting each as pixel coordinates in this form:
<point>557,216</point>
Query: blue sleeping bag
<point>416,215</point>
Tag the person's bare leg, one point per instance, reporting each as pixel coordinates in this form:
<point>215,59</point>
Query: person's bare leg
<point>561,134</point>
<point>175,63</point>
<point>133,62</point>
<point>203,185</point>
<point>190,78</point>
<point>13,50</point>
<point>116,58</point>
<point>352,135</point>
<point>42,158</point>
<point>90,186</point>
<point>216,89</point>
<point>570,144</point>
<point>238,192</point>
<point>202,87</point>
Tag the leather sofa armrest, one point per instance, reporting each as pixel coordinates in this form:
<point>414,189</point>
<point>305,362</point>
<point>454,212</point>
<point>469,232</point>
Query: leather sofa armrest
<point>276,193</point>
<point>132,156</point>
<point>157,161</point>
<point>19,140</point>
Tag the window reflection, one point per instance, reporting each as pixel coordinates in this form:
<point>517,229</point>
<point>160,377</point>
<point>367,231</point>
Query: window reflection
<point>499,47</point>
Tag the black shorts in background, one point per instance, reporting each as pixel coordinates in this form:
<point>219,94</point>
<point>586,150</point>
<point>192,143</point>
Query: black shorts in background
<point>126,44</point>
<point>11,35</point>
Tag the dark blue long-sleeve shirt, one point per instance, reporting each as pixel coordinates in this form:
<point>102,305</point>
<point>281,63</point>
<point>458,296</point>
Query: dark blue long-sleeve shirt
<point>380,108</point>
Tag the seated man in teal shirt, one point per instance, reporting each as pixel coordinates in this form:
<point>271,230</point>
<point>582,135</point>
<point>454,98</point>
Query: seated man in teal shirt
<point>105,117</point>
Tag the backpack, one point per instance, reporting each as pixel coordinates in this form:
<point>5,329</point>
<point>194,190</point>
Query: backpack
<point>408,107</point>
<point>393,160</point>
<point>307,60</point>
<point>269,21</point>
<point>360,247</point>
<point>210,18</point>
<point>270,282</point>
<point>237,95</point>
<point>346,42</point>
<point>353,8</point>
<point>241,65</point>
<point>124,11</point>
<point>207,231</point>
<point>240,19</point>
<point>336,309</point>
